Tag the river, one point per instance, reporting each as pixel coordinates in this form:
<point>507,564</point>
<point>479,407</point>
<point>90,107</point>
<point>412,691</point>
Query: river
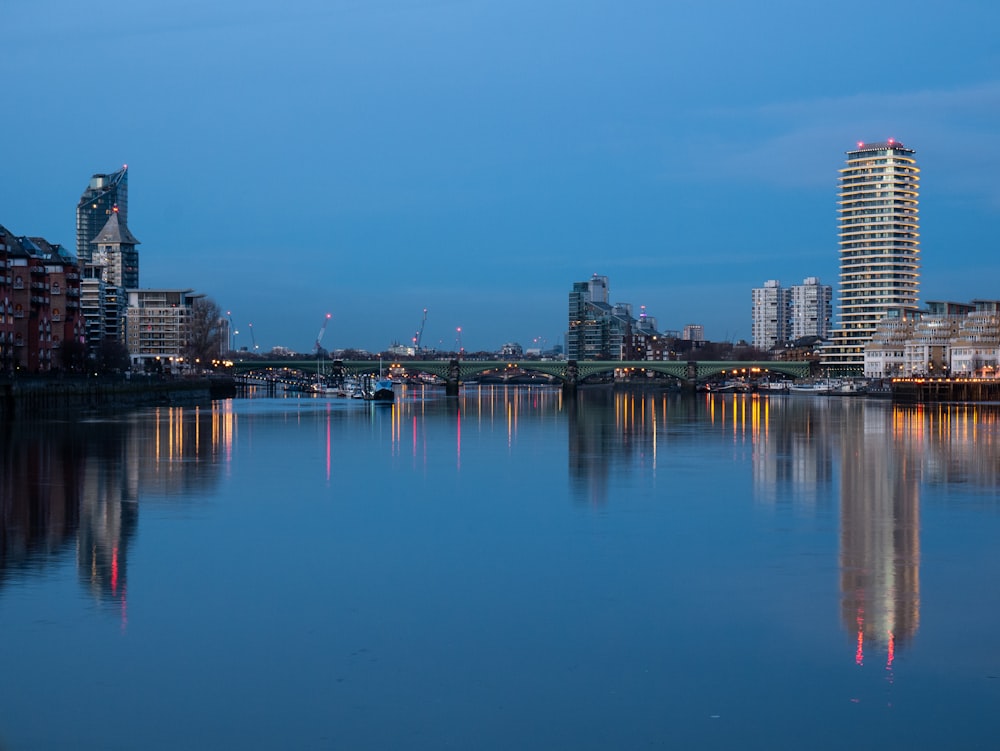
<point>511,569</point>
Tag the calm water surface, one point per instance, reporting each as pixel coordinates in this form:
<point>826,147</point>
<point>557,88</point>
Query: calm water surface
<point>509,570</point>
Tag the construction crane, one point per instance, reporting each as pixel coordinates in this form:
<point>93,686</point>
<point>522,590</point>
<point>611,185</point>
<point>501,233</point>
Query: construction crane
<point>322,330</point>
<point>420,334</point>
<point>232,332</point>
<point>253,339</point>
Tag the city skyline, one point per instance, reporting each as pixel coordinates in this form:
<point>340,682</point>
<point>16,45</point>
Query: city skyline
<point>475,159</point>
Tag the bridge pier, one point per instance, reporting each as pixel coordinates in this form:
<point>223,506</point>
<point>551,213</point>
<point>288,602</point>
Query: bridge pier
<point>569,384</point>
<point>451,381</point>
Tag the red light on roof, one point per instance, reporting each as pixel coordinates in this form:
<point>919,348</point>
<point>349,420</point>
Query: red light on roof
<point>892,141</point>
<point>861,144</point>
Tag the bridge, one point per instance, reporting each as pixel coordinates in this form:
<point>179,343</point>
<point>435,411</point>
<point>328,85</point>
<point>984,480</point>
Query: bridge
<point>570,373</point>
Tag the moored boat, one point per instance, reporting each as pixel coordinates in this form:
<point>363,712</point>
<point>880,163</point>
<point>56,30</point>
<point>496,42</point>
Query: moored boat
<point>813,387</point>
<point>377,389</point>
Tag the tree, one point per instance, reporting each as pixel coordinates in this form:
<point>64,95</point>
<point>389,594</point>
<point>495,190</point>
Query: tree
<point>111,357</point>
<point>73,355</point>
<point>205,333</point>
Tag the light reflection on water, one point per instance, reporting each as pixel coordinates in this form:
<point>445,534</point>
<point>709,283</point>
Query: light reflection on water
<point>511,568</point>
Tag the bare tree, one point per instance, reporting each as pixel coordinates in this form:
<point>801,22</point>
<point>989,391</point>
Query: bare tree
<point>205,339</point>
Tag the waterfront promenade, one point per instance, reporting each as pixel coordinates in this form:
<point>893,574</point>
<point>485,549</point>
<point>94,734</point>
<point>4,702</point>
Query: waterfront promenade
<point>35,395</point>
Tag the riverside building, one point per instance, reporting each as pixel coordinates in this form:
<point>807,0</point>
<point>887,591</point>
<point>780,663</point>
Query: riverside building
<point>879,233</point>
<point>39,304</point>
<point>158,328</point>
<point>948,338</point>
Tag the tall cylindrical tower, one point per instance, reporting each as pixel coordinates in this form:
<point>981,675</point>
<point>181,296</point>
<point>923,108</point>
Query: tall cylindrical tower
<point>879,244</point>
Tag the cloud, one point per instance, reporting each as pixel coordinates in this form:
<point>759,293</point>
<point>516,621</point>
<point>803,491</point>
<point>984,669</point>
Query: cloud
<point>788,144</point>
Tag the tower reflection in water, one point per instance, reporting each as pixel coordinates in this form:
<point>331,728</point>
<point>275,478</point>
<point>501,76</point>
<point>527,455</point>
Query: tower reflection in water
<point>880,529</point>
<point>75,487</point>
<point>881,453</point>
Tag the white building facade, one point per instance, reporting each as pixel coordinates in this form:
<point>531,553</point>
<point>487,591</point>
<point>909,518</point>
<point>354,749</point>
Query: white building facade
<point>810,309</point>
<point>879,246</point>
<point>769,326</point>
<point>158,328</point>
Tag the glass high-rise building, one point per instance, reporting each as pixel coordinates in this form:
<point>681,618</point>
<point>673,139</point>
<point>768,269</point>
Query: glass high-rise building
<point>879,246</point>
<point>102,195</point>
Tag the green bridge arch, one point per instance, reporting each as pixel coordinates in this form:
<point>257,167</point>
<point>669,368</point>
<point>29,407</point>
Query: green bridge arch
<point>568,372</point>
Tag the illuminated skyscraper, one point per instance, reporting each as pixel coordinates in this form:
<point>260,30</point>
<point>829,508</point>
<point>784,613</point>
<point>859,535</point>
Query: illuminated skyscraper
<point>98,201</point>
<point>879,246</point>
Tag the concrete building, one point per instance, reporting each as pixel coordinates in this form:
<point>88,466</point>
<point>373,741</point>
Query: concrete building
<point>158,328</point>
<point>693,332</point>
<point>810,309</point>
<point>879,246</point>
<point>769,315</point>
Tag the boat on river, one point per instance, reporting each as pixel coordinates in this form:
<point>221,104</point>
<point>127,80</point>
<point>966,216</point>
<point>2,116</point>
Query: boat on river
<point>377,389</point>
<point>813,387</point>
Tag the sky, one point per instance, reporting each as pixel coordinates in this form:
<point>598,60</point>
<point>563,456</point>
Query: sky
<point>374,158</point>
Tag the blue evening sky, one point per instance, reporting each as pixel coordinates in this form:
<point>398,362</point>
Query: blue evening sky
<point>372,158</point>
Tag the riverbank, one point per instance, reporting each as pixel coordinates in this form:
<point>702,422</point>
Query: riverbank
<point>946,389</point>
<point>31,396</point>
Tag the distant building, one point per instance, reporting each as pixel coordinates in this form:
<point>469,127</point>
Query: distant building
<point>780,315</point>
<point>102,194</point>
<point>599,330</point>
<point>588,337</point>
<point>810,309</point>
<point>693,332</point>
<point>879,246</point>
<point>769,314</point>
<point>512,350</point>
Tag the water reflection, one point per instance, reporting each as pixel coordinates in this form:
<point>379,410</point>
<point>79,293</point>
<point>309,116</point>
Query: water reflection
<point>74,487</point>
<point>70,491</point>
<point>878,454</point>
<point>879,528</point>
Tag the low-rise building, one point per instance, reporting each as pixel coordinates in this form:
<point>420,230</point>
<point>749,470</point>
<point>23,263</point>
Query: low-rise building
<point>158,328</point>
<point>975,350</point>
<point>885,354</point>
<point>948,338</point>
